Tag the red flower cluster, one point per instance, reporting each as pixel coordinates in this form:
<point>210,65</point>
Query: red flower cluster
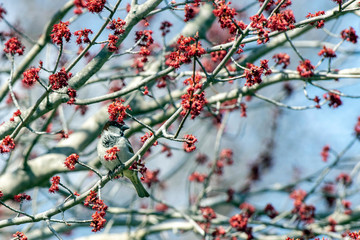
<point>15,114</point>
<point>344,178</point>
<point>71,160</point>
<point>59,32</point>
<point>338,1</point>
<point>7,144</point>
<point>226,17</point>
<point>357,127</point>
<point>2,12</point>
<point>354,235</point>
<point>139,166</point>
<point>146,137</point>
<point>273,4</point>
<point>95,6</point>
<point>333,98</point>
<point>218,55</point>
<point>253,73</point>
<point>72,94</point>
<point>111,153</point>
<point>186,48</point>
<point>208,213</point>
<point>83,35</point>
<point>112,40</point>
<point>191,101</point>
<point>247,209</point>
<point>305,69</point>
<point>327,52</point>
<point>218,233</point>
<point>14,46</point>
<point>1,194</point>
<point>197,177</point>
<point>325,153</point>
<point>349,35</point>
<point>21,197</point>
<point>55,184</point>
<point>59,79</point>
<point>243,110</point>
<point>225,158</point>
<point>145,38</point>
<point>189,144</point>
<point>151,177</point>
<point>190,12</point>
<point>165,27</point>
<point>259,23</point>
<point>79,4</point>
<point>117,26</point>
<point>19,236</point>
<point>98,220</point>
<point>320,23</point>
<point>347,206</point>
<point>270,211</point>
<point>305,213</point>
<point>117,111</point>
<point>281,21</point>
<point>239,222</point>
<point>30,76</point>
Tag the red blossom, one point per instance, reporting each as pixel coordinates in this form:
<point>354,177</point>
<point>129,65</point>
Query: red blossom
<point>197,177</point>
<point>95,6</point>
<point>226,155</point>
<point>305,213</point>
<point>218,55</point>
<point>320,23</point>
<point>117,26</point>
<point>14,46</point>
<point>248,209</point>
<point>117,111</point>
<point>349,35</point>
<point>192,101</point>
<point>151,177</point>
<point>226,17</point>
<point>112,40</point>
<point>186,48</point>
<point>201,158</point>
<point>21,197</point>
<point>165,27</point>
<point>344,178</point>
<point>281,21</point>
<point>59,32</point>
<point>144,37</point>
<point>1,194</point>
<point>72,94</point>
<point>15,114</point>
<point>333,98</point>
<point>298,195</point>
<point>59,79</point>
<point>19,236</point>
<point>357,127</point>
<point>243,110</point>
<point>2,12</point>
<point>270,211</point>
<point>190,12</point>
<point>253,74</point>
<point>305,69</point>
<point>71,160</point>
<point>111,153</point>
<point>83,35</point>
<point>218,232</point>
<point>338,1</point>
<point>55,184</point>
<point>327,52</point>
<point>208,213</point>
<point>161,207</point>
<point>189,144</point>
<point>147,135</point>
<point>332,224</point>
<point>7,144</point>
<point>347,206</point>
<point>30,76</point>
<point>98,221</point>
<point>239,222</point>
<point>79,4</point>
<point>325,153</point>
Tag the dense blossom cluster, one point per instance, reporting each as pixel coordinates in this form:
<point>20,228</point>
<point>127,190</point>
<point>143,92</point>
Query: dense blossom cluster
<point>349,35</point>
<point>14,46</point>
<point>19,236</point>
<point>190,11</point>
<point>282,58</point>
<point>2,12</point>
<point>325,153</point>
<point>146,136</point>
<point>197,177</point>
<point>191,100</point>
<point>83,35</point>
<point>98,220</point>
<point>186,48</point>
<point>7,144</point>
<point>55,181</point>
<point>151,177</point>
<point>165,28</point>
<point>59,32</point>
<point>72,95</point>
<point>117,111</point>
<point>111,153</point>
<point>327,52</point>
<point>30,76</point>
<point>95,6</point>
<point>59,79</point>
<point>71,160</point>
<point>15,114</point>
<point>117,25</point>
<point>112,40</point>
<point>270,211</point>
<point>305,69</point>
<point>333,98</point>
<point>226,17</point>
<point>320,23</point>
<point>305,213</point>
<point>253,73</point>
<point>225,158</point>
<point>189,144</point>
